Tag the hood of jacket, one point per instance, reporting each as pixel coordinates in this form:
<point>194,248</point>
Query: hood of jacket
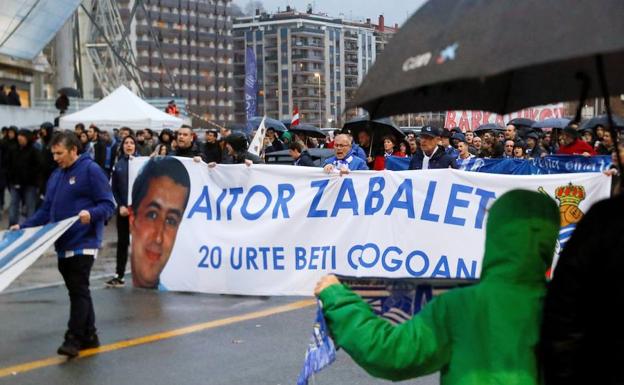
<point>522,230</point>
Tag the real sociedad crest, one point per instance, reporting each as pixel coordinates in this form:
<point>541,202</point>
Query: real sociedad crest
<point>569,197</point>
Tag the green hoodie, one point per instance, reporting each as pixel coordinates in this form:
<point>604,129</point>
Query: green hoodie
<point>483,334</point>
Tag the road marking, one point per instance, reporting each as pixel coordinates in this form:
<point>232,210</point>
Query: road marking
<point>29,366</point>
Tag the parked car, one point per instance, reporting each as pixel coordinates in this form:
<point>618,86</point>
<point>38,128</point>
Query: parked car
<point>283,157</point>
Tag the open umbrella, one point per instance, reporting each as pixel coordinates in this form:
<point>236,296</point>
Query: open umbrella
<point>442,59</point>
<point>377,128</point>
<point>69,92</point>
<point>268,123</point>
<point>522,122</point>
<point>559,123</point>
<point>488,127</point>
<point>602,120</point>
<point>286,123</point>
<point>308,130</point>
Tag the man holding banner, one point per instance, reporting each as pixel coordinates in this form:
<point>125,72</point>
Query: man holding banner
<point>344,158</point>
<point>77,187</point>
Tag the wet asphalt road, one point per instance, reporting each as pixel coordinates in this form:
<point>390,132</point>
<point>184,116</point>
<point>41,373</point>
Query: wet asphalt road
<point>268,349</point>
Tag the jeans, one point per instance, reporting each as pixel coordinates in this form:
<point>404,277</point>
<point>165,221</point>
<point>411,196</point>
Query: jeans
<point>123,241</point>
<point>75,271</point>
<point>26,195</point>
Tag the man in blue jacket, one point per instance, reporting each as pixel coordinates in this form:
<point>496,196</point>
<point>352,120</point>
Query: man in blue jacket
<point>431,155</point>
<point>344,160</point>
<point>77,187</point>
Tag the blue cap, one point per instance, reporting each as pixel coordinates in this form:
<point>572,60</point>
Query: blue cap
<point>430,131</point>
<point>459,136</point>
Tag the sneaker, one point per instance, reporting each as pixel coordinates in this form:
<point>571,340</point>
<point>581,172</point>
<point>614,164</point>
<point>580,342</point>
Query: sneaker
<point>70,346</point>
<point>90,342</point>
<point>116,282</point>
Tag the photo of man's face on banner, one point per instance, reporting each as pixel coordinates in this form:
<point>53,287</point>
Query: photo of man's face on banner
<point>159,197</point>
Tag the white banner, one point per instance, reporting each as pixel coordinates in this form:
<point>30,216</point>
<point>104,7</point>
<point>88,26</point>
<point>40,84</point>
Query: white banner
<point>275,230</point>
<point>470,120</point>
<point>21,248</point>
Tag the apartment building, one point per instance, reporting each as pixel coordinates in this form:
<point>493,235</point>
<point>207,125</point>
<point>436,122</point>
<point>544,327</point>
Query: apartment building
<point>185,47</point>
<point>304,60</point>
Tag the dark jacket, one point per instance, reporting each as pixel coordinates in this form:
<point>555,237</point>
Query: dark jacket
<point>24,166</point>
<point>82,186</point>
<point>14,99</point>
<point>119,180</point>
<point>190,152</point>
<point>241,157</point>
<point>305,160</point>
<point>212,152</point>
<point>276,145</point>
<point>102,150</point>
<point>582,322</point>
<point>440,159</point>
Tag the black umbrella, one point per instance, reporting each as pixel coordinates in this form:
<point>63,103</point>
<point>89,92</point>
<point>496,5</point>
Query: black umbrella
<point>308,130</point>
<point>559,123</point>
<point>377,128</point>
<point>522,122</point>
<point>69,92</point>
<point>487,127</point>
<point>268,123</point>
<point>442,59</point>
<point>286,123</point>
<point>602,120</point>
<point>523,126</point>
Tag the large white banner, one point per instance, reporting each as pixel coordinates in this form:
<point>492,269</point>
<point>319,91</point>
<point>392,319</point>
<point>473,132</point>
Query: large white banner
<point>275,230</point>
<point>21,248</point>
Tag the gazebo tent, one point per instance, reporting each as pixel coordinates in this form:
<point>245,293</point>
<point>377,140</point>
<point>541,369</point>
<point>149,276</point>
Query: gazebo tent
<point>121,108</point>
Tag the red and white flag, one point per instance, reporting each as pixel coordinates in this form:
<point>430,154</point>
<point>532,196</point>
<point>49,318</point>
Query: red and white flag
<point>295,117</point>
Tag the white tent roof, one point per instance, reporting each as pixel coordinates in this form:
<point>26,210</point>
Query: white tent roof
<point>121,108</point>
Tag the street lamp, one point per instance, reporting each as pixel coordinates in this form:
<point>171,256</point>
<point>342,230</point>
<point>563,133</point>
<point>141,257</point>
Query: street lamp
<point>318,75</point>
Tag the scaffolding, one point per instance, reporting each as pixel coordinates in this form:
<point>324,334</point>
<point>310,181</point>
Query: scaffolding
<point>108,47</point>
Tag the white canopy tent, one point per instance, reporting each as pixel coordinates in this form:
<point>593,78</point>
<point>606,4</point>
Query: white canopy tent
<point>121,108</point>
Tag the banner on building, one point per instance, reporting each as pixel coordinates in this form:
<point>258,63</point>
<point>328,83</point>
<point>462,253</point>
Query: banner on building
<point>275,230</point>
<point>251,85</point>
<point>470,120</point>
<point>21,248</point>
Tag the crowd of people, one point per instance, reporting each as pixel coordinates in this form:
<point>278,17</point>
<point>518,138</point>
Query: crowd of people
<point>26,161</point>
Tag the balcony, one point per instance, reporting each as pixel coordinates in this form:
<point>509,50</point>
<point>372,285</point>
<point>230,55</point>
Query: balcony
<point>306,31</point>
<point>303,44</point>
<point>307,57</point>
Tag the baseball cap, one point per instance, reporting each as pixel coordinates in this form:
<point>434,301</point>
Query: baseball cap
<point>430,131</point>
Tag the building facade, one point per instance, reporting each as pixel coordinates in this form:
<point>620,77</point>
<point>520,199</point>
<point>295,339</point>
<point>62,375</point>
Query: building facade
<point>184,49</point>
<point>304,60</point>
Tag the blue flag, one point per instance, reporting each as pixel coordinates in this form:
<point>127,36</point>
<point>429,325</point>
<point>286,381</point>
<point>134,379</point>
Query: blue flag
<point>551,164</point>
<point>321,350</point>
<point>396,301</point>
<point>251,85</point>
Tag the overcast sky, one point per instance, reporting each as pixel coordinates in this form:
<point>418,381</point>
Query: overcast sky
<point>394,11</point>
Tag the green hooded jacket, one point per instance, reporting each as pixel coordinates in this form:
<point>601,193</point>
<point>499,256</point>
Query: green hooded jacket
<point>487,333</point>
